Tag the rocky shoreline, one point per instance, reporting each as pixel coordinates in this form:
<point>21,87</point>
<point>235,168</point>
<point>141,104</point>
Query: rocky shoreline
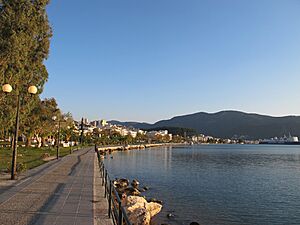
<point>139,209</point>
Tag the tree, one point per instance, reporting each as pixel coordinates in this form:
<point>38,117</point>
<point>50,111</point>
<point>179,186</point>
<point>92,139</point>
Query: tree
<point>24,45</point>
<point>39,122</point>
<point>141,138</point>
<point>67,127</point>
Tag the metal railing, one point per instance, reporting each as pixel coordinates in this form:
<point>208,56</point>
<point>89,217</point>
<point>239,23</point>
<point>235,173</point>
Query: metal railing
<point>115,208</point>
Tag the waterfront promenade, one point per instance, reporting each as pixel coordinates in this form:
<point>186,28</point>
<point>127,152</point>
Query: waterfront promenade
<point>67,191</point>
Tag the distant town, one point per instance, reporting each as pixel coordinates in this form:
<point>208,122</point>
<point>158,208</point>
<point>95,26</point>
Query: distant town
<point>102,132</point>
<point>103,129</point>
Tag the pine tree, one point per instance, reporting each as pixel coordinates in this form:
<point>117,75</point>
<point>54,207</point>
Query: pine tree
<point>24,41</point>
<point>24,46</point>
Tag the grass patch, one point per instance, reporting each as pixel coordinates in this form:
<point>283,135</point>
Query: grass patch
<point>31,157</point>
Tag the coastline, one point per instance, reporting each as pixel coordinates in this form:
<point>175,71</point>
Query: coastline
<point>139,209</point>
<point>110,149</point>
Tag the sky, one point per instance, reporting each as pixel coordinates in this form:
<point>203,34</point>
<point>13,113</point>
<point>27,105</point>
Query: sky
<point>147,60</point>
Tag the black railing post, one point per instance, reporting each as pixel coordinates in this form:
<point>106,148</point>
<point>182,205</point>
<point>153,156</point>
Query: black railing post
<point>120,222</point>
<point>118,215</point>
<point>109,200</point>
<point>102,175</point>
<point>105,186</point>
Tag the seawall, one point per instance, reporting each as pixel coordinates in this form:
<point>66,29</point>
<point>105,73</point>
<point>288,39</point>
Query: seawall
<point>109,149</point>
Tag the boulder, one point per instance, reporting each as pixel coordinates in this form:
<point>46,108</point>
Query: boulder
<point>130,191</point>
<point>155,200</point>
<point>139,210</point>
<point>121,183</point>
<point>170,215</point>
<point>146,188</point>
<point>142,190</point>
<point>135,183</point>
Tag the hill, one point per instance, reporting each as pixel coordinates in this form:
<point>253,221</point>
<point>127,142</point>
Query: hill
<point>228,124</point>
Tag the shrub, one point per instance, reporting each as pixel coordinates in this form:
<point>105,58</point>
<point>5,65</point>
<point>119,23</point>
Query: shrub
<point>21,167</point>
<point>45,155</point>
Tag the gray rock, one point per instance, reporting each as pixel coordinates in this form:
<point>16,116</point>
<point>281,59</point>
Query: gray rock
<point>135,183</point>
<point>170,215</point>
<point>121,183</point>
<point>130,191</point>
<point>155,200</point>
<point>146,188</point>
<point>142,189</point>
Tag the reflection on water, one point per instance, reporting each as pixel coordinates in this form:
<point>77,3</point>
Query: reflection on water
<point>218,184</point>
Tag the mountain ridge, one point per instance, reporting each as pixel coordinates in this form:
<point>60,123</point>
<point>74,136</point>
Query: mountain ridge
<point>229,124</point>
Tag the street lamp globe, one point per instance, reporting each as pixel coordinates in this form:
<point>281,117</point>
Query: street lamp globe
<point>7,88</point>
<point>32,90</point>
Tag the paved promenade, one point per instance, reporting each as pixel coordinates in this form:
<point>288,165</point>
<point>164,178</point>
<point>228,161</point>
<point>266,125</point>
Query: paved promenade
<point>62,192</point>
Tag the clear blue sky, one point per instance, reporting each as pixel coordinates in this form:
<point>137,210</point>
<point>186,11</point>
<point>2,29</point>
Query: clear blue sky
<point>146,60</point>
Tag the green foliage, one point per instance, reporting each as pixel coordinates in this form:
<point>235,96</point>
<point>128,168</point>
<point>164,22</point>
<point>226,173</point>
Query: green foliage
<point>24,45</point>
<point>28,158</point>
<point>21,167</point>
<point>176,130</point>
<point>24,42</point>
<point>39,122</point>
<point>114,139</point>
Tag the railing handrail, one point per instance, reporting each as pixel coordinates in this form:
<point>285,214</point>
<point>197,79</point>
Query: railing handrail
<point>115,209</point>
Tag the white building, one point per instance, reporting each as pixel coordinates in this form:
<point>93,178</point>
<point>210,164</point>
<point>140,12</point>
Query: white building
<point>160,133</point>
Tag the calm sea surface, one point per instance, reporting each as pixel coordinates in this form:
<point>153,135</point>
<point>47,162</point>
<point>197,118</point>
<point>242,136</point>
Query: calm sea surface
<point>218,184</point>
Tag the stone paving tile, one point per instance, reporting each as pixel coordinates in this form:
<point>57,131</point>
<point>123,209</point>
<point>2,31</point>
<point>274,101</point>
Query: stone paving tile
<point>65,220</point>
<point>62,193</point>
<point>84,221</point>
<point>45,220</point>
<point>85,211</point>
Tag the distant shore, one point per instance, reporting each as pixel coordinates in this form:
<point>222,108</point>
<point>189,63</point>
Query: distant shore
<point>109,149</point>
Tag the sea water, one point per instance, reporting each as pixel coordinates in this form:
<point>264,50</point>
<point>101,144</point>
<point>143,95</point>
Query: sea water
<point>217,184</point>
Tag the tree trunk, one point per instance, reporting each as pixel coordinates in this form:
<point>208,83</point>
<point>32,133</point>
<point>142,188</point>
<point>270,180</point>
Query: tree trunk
<point>43,141</point>
<point>39,140</point>
<point>28,141</point>
<point>12,142</point>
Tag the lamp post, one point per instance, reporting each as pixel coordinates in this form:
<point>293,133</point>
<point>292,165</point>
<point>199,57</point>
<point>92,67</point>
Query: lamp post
<point>7,88</point>
<point>81,135</point>
<point>71,140</point>
<point>54,118</point>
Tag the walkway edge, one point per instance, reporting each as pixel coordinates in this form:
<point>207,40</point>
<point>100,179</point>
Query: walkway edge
<point>100,205</point>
